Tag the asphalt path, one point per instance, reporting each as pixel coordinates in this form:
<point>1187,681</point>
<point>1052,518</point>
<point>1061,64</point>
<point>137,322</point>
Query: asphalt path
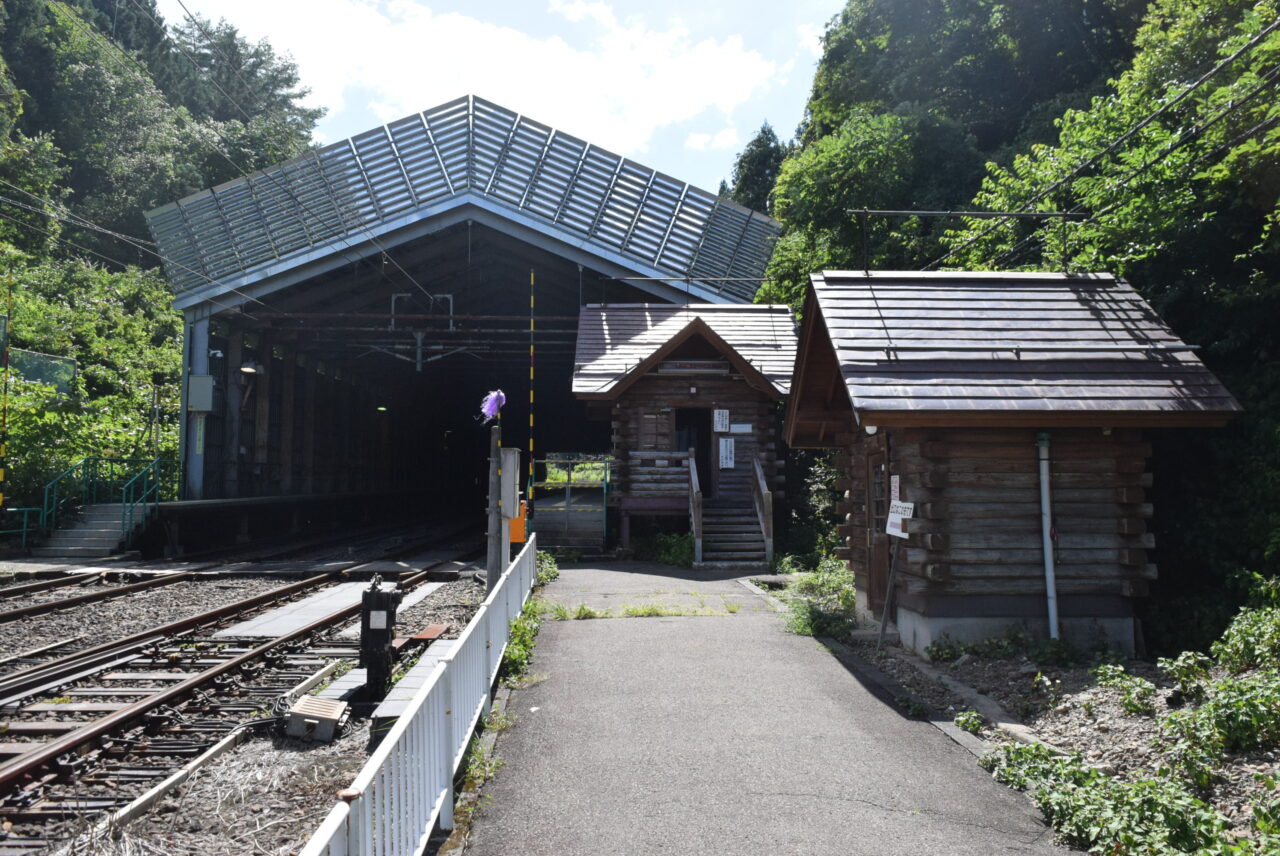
<point>721,733</point>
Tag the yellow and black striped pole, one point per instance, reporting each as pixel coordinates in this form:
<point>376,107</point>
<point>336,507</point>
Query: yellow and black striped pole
<point>531,365</point>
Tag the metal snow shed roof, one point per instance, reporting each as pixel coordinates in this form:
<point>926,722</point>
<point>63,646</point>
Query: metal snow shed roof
<point>342,198</point>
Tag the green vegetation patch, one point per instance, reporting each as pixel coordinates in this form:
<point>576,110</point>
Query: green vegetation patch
<point>822,602</point>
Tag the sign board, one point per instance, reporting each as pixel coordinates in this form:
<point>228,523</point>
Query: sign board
<point>726,453</point>
<point>895,489</point>
<point>719,420</point>
<point>899,514</point>
<point>200,393</point>
<point>740,428</point>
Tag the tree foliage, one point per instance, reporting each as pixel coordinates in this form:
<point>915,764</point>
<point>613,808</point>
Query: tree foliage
<point>1186,207</point>
<point>756,169</point>
<point>106,112</point>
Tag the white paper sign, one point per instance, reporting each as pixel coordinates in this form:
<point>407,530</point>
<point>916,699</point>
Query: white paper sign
<point>719,420</point>
<point>726,453</point>
<point>899,514</point>
<point>740,428</point>
<point>378,620</point>
<point>894,489</point>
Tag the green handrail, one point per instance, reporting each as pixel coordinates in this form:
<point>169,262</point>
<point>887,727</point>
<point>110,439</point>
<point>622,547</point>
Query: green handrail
<point>156,481</point>
<point>130,481</point>
<point>28,528</point>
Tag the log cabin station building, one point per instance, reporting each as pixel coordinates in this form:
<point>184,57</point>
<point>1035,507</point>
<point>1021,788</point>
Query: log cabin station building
<point>1010,410</point>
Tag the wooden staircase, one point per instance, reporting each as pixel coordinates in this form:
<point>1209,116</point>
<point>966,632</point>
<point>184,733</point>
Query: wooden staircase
<point>93,534</point>
<point>731,535</point>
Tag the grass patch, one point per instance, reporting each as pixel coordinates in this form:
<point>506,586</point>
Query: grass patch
<point>732,607</point>
<point>586,612</point>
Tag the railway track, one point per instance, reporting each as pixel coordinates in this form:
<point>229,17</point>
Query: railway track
<point>85,733</point>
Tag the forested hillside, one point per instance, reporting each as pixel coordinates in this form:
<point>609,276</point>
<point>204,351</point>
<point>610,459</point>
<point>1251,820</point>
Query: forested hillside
<point>1156,120</point>
<point>105,112</point>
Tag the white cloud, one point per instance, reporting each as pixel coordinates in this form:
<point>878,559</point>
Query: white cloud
<point>698,141</point>
<point>810,36</point>
<point>615,81</point>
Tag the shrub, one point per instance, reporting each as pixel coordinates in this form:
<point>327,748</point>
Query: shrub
<point>822,602</point>
<point>1251,640</point>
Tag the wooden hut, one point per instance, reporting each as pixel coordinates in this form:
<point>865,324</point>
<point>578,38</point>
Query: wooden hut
<point>694,393</point>
<point>950,389</point>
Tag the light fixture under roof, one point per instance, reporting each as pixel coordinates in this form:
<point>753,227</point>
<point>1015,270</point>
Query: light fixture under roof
<point>250,367</point>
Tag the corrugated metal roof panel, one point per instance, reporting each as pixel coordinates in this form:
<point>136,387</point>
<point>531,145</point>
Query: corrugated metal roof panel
<point>338,195</point>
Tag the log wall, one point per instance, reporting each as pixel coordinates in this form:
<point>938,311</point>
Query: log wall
<point>976,530</point>
<point>644,422</point>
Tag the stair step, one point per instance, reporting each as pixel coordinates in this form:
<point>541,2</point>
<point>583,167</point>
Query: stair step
<point>72,552</point>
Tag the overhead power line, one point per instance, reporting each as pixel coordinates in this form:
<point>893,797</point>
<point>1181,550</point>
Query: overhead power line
<point>1118,141</point>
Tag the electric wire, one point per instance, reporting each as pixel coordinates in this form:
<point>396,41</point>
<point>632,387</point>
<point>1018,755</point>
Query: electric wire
<point>82,248</point>
<point>89,224</point>
<point>1114,144</point>
<point>1189,135</point>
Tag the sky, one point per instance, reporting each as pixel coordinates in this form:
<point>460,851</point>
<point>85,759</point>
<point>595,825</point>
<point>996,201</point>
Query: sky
<point>677,85</point>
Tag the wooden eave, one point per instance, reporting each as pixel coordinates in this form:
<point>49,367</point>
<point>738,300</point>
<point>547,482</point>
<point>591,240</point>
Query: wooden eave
<point>697,326</point>
<point>836,415</point>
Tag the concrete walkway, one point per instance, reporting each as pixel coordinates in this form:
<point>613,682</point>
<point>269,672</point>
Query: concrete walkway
<point>723,734</point>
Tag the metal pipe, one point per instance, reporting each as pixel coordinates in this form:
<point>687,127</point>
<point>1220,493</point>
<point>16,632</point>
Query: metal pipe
<point>1046,534</point>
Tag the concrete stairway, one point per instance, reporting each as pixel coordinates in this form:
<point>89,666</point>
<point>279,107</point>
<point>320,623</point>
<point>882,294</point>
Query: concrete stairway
<point>731,536</point>
<point>93,534</point>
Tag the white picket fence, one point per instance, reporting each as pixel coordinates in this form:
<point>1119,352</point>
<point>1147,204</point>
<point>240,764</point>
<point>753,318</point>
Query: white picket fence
<point>407,784</point>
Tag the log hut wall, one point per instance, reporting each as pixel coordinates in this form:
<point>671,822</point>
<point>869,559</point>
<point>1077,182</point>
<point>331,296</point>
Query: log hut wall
<point>974,560</point>
<point>644,422</point>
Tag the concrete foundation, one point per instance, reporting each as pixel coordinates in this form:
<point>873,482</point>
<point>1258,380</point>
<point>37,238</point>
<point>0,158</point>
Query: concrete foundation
<point>918,631</point>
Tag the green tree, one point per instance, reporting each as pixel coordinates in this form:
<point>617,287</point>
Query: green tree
<point>756,170</point>
<point>1182,185</point>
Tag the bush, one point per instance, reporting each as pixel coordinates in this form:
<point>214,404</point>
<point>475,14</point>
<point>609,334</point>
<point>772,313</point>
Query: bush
<point>1189,670</point>
<point>1240,714</point>
<point>970,721</point>
<point>822,601</point>
<point>1251,640</point>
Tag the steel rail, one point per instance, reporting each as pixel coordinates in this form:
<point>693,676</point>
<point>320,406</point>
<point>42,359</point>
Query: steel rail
<point>93,597</point>
<point>28,764</point>
<point>43,672</point>
<point>46,585</point>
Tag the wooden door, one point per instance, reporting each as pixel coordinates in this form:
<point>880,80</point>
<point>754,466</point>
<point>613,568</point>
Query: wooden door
<point>877,539</point>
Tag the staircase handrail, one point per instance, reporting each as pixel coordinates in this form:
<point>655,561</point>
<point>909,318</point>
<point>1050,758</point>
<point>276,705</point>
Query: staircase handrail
<point>88,481</point>
<point>695,507</point>
<point>145,490</point>
<point>764,507</point>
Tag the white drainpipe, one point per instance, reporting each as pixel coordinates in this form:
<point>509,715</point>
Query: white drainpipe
<point>1046,534</point>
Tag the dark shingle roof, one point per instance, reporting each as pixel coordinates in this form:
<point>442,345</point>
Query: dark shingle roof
<point>913,342</point>
<point>615,340</point>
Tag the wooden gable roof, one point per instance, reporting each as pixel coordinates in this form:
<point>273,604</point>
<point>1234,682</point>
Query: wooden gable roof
<point>619,343</point>
<point>917,348</point>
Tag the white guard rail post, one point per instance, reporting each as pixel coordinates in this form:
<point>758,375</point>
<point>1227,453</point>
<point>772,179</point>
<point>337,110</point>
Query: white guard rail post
<point>407,783</point>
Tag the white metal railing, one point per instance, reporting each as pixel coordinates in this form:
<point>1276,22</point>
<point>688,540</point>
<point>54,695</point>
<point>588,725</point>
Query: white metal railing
<point>407,783</point>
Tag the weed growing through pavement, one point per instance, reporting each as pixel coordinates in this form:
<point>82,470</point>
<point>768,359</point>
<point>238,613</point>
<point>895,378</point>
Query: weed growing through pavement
<point>524,630</point>
<point>584,612</point>
<point>481,764</point>
<point>970,721</point>
<point>732,607</point>
<point>547,569</point>
<point>499,720</point>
